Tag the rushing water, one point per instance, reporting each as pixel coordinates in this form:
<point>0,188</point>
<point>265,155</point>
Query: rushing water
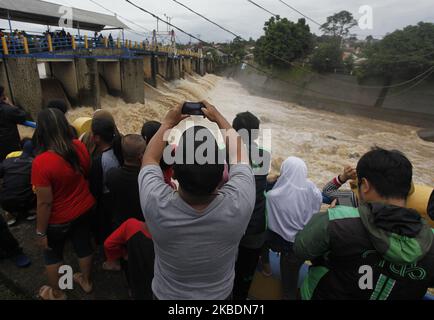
<point>326,141</point>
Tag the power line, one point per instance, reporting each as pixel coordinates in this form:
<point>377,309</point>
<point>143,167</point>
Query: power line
<point>411,87</point>
<point>254,67</point>
<point>299,12</point>
<point>116,14</point>
<point>210,21</point>
<point>168,23</point>
<point>208,44</point>
<point>261,7</point>
<point>301,68</point>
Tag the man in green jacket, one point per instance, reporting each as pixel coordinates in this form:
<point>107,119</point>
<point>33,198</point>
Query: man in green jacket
<point>379,251</point>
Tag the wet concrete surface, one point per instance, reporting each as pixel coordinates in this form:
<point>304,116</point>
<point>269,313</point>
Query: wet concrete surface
<point>25,283</point>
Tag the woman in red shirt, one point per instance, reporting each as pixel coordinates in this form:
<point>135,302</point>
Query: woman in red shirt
<point>59,176</point>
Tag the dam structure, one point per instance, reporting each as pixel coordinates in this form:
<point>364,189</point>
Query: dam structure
<point>79,69</point>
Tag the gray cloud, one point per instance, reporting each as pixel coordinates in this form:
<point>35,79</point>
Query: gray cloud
<point>247,20</point>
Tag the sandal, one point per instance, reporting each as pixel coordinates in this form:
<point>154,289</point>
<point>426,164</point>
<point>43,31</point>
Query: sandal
<point>46,293</point>
<point>87,288</point>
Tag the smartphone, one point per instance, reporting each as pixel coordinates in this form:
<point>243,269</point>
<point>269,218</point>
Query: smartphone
<point>193,108</point>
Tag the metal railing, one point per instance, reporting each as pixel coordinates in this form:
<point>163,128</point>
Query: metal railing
<point>30,45</point>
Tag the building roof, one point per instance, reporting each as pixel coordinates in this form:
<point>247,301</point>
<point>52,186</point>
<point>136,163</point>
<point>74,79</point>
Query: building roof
<point>47,13</point>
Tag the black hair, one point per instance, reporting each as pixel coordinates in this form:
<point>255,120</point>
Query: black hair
<point>431,206</point>
<point>194,178</point>
<point>108,132</point>
<point>249,122</point>
<point>149,130</point>
<point>105,129</point>
<point>389,172</point>
<point>53,133</point>
<point>58,104</point>
<point>2,91</point>
<point>246,121</point>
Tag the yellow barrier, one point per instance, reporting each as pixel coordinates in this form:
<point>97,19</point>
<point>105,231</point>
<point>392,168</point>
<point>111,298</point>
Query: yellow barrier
<point>50,43</point>
<point>82,125</point>
<point>26,45</point>
<point>419,200</point>
<point>5,46</point>
<point>86,44</point>
<point>119,43</point>
<point>74,45</point>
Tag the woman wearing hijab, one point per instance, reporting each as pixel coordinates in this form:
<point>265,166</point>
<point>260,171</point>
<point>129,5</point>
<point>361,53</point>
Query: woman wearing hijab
<point>291,204</point>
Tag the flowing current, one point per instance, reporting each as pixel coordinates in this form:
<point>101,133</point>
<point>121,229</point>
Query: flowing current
<point>326,141</point>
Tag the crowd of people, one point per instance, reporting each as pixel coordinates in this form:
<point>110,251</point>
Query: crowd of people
<point>194,230</point>
<point>60,40</point>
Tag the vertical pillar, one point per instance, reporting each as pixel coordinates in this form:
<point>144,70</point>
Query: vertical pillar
<point>88,82</point>
<point>133,89</point>
<point>25,85</point>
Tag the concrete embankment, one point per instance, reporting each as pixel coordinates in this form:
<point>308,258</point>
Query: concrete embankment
<point>342,95</point>
<point>25,283</point>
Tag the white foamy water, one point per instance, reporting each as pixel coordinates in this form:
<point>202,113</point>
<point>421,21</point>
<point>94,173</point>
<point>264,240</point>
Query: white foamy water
<point>326,141</point>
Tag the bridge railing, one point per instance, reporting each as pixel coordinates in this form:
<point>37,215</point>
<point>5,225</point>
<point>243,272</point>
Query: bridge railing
<point>31,45</point>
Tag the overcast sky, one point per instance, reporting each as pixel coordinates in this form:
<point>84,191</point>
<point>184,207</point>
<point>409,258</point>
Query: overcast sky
<point>247,20</point>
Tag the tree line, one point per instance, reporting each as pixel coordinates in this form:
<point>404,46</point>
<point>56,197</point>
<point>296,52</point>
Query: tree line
<point>401,54</point>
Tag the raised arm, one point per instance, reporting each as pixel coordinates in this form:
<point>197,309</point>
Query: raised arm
<point>331,190</point>
<point>154,151</point>
<point>236,149</point>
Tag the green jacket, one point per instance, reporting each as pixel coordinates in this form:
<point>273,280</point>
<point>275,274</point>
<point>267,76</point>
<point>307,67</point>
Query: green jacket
<point>395,243</point>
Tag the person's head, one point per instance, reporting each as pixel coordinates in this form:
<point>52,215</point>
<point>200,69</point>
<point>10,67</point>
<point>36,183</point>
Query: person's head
<point>199,164</point>
<point>249,123</point>
<point>58,104</point>
<point>384,176</point>
<point>133,149</point>
<point>103,132</point>
<point>105,119</point>
<point>104,114</point>
<point>294,169</point>
<point>53,133</point>
<point>149,130</point>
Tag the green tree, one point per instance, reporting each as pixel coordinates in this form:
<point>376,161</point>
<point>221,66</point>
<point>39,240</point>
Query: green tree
<point>339,25</point>
<point>237,48</point>
<point>285,39</point>
<point>401,54</point>
<point>327,57</point>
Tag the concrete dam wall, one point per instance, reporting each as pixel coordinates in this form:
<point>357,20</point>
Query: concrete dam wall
<point>82,80</point>
<point>342,94</point>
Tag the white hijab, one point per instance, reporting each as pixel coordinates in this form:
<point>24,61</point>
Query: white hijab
<point>293,200</point>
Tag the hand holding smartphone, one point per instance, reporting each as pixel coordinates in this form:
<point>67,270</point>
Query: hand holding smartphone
<point>193,108</point>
